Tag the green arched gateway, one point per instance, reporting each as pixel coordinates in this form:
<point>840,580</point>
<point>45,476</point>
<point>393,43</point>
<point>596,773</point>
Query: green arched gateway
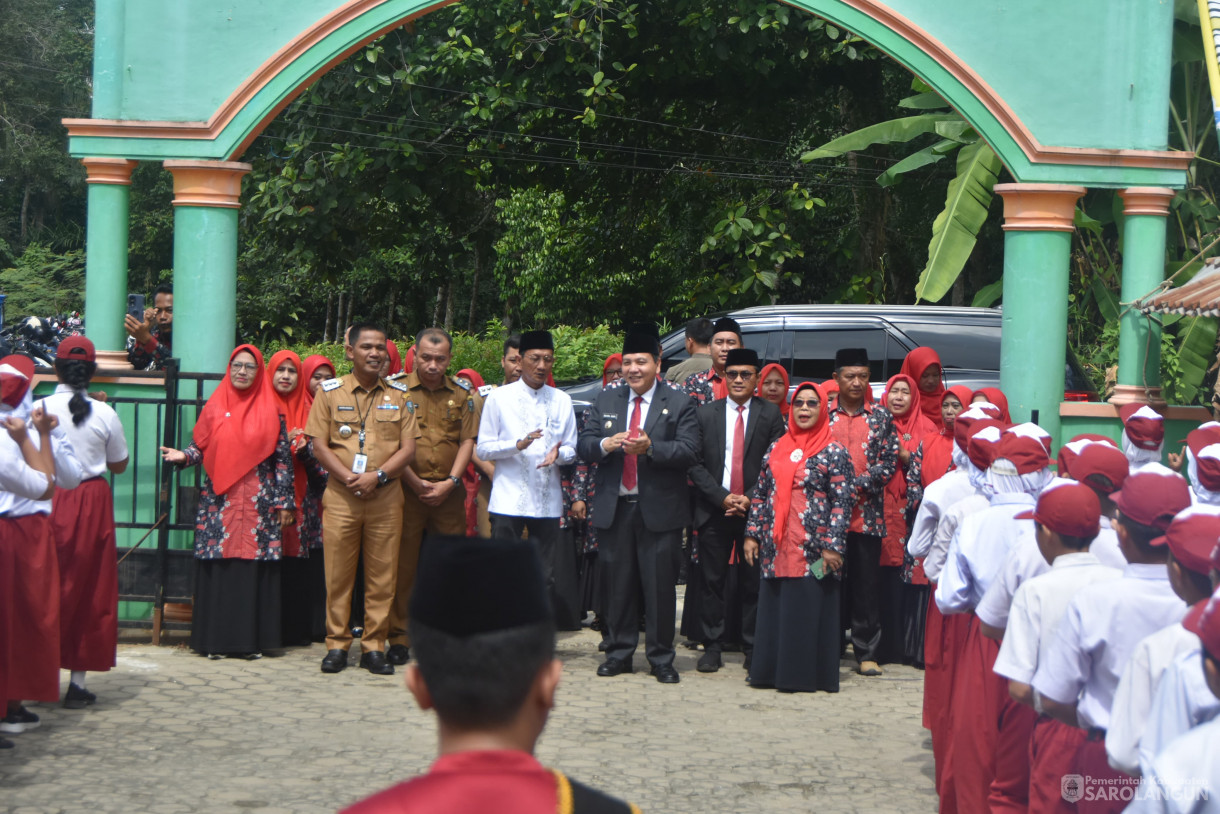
<point>1069,94</point>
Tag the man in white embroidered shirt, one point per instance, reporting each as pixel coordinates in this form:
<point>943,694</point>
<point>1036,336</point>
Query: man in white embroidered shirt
<point>528,430</point>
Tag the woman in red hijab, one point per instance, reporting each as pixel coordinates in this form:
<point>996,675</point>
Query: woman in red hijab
<point>996,396</point>
<point>470,478</point>
<point>923,365</point>
<point>938,448</point>
<point>393,358</point>
<point>797,531</point>
<point>773,386</point>
<point>903,587</point>
<point>612,369</point>
<point>314,370</point>
<point>245,502</point>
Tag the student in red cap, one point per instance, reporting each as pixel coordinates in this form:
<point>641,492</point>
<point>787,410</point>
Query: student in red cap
<point>1018,474</point>
<point>82,520</point>
<point>1184,776</point>
<point>1143,435</point>
<point>1104,469</point>
<point>1190,538</point>
<point>1067,519</point>
<point>938,448</point>
<point>1104,623</point>
<point>1203,464</point>
<point>1072,449</point>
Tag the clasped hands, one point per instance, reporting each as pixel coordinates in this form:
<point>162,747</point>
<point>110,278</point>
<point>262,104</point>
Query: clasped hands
<point>40,419</point>
<point>630,446</point>
<point>736,505</point>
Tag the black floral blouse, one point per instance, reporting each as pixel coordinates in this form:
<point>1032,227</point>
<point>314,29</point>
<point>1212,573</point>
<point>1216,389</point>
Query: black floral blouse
<point>699,386</point>
<point>879,449</point>
<point>242,524</point>
<point>309,518</point>
<point>827,503</point>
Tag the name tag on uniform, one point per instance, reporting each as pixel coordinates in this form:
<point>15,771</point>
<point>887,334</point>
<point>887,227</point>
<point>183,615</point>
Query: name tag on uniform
<point>331,384</point>
<point>359,464</point>
<point>387,406</point>
<point>345,408</point>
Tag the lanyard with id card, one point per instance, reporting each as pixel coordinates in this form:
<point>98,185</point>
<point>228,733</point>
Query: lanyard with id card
<point>360,463</point>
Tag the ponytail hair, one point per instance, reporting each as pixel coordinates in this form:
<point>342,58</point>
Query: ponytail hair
<point>76,373</point>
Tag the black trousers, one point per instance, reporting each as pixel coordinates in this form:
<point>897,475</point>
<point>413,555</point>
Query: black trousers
<point>637,562</point>
<point>864,590</point>
<point>719,537</point>
<point>558,555</point>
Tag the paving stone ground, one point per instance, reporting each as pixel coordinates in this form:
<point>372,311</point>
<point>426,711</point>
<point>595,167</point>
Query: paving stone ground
<point>174,732</point>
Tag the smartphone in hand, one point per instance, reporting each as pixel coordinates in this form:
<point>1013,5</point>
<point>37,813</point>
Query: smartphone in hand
<point>135,306</point>
<point>818,569</point>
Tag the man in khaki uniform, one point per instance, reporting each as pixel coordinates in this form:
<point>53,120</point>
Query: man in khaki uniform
<point>364,435</point>
<point>435,497</point>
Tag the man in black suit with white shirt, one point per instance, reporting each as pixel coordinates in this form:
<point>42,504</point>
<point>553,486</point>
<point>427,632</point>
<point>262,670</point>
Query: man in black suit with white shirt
<point>644,438</point>
<point>736,433</point>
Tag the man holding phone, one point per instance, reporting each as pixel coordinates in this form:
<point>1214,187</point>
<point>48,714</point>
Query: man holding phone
<point>150,330</point>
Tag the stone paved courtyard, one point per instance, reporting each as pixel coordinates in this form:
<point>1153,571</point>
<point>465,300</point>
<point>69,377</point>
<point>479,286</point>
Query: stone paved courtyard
<point>175,732</point>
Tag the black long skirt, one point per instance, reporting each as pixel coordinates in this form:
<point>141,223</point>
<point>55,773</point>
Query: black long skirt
<point>237,608</point>
<point>914,605</point>
<point>891,649</point>
<point>797,637</point>
<point>592,591</point>
<point>296,594</point>
<point>317,595</point>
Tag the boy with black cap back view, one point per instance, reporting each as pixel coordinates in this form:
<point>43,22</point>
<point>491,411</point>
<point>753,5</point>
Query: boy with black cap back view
<point>483,637</point>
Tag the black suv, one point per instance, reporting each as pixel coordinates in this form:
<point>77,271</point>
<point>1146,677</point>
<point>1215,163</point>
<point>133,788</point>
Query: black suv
<point>804,339</point>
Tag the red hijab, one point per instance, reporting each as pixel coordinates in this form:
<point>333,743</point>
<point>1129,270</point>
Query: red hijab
<point>472,375</point>
<point>391,350</point>
<point>938,448</point>
<point>611,359</point>
<point>293,404</point>
<point>913,425</point>
<point>790,452</point>
<point>762,377</point>
<point>238,429</point>
<point>408,361</point>
<point>308,368</point>
<point>996,396</point>
<point>918,361</point>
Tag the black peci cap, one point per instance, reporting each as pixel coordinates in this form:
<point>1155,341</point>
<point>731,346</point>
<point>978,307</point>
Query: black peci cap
<point>851,357</point>
<point>742,356</point>
<point>536,340</point>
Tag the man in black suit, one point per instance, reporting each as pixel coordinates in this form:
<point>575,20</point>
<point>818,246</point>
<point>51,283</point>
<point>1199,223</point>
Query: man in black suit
<point>644,437</point>
<point>737,432</point>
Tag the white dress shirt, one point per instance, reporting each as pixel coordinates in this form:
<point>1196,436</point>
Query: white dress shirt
<point>1185,778</point>
<point>1037,608</point>
<point>1098,634</point>
<point>1182,701</point>
<point>68,471</point>
<point>1024,563</point>
<point>1136,689</point>
<point>98,440</point>
<point>1105,546</point>
<point>937,498</point>
<point>730,424</point>
<point>17,478</point>
<point>978,550</point>
<point>949,523</point>
<point>519,488</point>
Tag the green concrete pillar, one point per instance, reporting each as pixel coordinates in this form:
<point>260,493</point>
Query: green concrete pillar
<point>109,184</point>
<point>1139,337</point>
<point>206,200</point>
<point>1038,225</point>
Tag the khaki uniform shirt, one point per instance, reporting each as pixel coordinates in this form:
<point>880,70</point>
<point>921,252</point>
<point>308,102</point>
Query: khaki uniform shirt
<point>388,419</point>
<point>447,417</point>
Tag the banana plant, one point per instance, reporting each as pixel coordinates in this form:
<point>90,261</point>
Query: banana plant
<point>968,197</point>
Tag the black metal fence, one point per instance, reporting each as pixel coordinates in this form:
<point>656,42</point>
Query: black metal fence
<point>158,499</point>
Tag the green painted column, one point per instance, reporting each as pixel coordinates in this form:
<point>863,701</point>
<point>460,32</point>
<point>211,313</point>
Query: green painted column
<point>109,183</point>
<point>206,201</point>
<point>1139,338</point>
<point>1038,225</point>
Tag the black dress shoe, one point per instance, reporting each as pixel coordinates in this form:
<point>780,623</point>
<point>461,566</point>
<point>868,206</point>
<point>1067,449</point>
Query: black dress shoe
<point>398,654</point>
<point>709,662</point>
<point>334,661</point>
<point>749,660</point>
<point>665,673</point>
<point>614,667</point>
<point>374,661</point>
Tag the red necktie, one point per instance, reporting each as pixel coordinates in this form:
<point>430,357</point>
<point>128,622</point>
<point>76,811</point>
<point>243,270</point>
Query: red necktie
<point>630,463</point>
<point>737,480</point>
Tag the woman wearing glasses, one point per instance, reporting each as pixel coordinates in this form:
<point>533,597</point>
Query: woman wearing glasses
<point>245,502</point>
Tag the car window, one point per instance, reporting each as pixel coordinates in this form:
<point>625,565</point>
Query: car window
<point>973,347</point>
<point>757,341</point>
<point>813,352</point>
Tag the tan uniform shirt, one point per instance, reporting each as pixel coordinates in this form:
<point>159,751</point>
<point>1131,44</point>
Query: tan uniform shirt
<point>385,412</point>
<point>447,417</point>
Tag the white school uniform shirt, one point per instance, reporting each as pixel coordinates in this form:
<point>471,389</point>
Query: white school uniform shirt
<point>68,472</point>
<point>979,549</point>
<point>18,480</point>
<point>949,523</point>
<point>1105,546</point>
<point>1098,634</point>
<point>1037,608</point>
<point>98,440</point>
<point>1136,688</point>
<point>1185,778</point>
<point>730,424</point>
<point>519,488</point>
<point>937,498</point>
<point>1024,563</point>
<point>1182,701</point>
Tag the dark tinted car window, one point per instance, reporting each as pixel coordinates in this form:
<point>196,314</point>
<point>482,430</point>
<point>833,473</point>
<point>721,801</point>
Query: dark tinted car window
<point>813,352</point>
<point>974,347</point>
<point>754,340</point>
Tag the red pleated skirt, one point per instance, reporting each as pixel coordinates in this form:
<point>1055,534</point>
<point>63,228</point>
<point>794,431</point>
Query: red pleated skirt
<point>29,610</point>
<point>978,695</point>
<point>82,520</point>
<point>943,642</point>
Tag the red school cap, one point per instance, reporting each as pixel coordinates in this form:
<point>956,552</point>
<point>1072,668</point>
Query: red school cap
<point>1072,449</point>
<point>1153,496</point>
<point>1102,466</point>
<point>1203,619</point>
<point>1192,536</point>
<point>985,435</point>
<point>76,347</point>
<point>1026,454</point>
<point>1145,427</point>
<point>1067,508</point>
